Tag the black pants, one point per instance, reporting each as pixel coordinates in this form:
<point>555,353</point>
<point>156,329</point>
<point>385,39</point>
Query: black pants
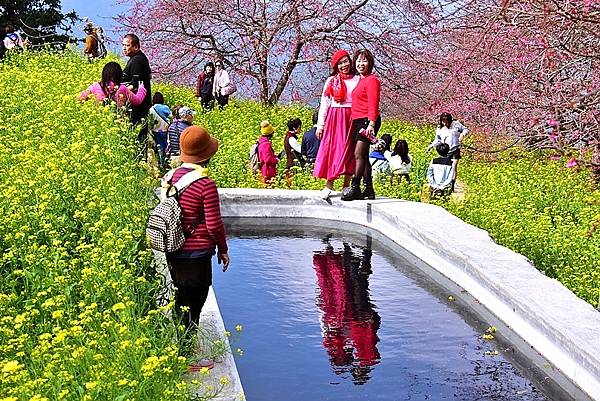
<point>193,278</point>
<point>208,103</point>
<point>222,101</point>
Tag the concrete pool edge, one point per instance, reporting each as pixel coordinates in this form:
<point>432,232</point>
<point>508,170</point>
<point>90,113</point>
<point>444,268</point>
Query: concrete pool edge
<point>562,328</point>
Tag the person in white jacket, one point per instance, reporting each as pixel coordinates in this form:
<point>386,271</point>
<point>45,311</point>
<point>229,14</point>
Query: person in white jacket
<point>400,162</point>
<point>450,132</point>
<point>222,85</point>
<point>441,171</point>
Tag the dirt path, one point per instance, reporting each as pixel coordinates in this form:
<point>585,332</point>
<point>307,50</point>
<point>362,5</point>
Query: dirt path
<point>459,191</point>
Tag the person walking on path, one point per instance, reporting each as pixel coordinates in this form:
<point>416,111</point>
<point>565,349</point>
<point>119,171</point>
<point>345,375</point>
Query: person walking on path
<point>266,154</point>
<point>292,148</point>
<point>161,116</point>
<point>185,117</point>
<point>222,85</point>
<point>137,70</point>
<point>336,152</point>
<point>190,266</point>
<point>450,132</point>
<point>91,42</point>
<point>366,121</point>
<point>204,87</point>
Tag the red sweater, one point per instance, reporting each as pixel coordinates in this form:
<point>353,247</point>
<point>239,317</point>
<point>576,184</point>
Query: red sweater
<point>201,200</point>
<point>365,98</point>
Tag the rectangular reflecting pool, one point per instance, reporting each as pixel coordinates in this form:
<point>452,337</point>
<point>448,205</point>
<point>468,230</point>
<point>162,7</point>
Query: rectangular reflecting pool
<point>329,315</point>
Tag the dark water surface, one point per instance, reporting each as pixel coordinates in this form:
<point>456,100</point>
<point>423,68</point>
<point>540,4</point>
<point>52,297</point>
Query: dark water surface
<point>327,318</point>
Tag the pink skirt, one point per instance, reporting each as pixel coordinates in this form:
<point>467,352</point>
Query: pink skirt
<point>336,152</point>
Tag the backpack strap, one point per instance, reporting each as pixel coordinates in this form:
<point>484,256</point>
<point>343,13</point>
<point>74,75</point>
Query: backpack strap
<point>169,189</point>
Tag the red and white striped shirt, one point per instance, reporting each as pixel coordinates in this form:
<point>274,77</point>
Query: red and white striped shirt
<point>200,204</point>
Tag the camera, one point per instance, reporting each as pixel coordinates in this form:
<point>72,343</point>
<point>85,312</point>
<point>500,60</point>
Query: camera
<point>135,82</point>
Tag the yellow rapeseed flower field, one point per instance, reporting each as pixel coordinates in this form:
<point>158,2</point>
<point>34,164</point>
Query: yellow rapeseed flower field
<point>77,314</point>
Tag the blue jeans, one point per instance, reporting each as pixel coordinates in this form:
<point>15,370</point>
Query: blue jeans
<point>160,137</point>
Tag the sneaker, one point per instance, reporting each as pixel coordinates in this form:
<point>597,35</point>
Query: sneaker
<point>325,193</point>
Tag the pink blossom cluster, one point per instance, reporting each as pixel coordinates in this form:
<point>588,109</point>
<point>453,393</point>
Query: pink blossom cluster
<point>522,68</point>
<point>515,68</point>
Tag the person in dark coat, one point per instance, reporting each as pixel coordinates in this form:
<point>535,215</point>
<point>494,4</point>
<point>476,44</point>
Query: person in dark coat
<point>204,87</point>
<point>310,142</point>
<point>137,70</point>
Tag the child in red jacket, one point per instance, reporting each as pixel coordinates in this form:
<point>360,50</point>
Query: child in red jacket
<point>266,154</point>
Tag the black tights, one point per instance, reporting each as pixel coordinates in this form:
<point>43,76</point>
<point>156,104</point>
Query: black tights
<point>363,167</point>
<point>192,298</point>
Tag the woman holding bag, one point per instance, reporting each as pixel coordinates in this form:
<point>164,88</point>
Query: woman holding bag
<point>222,85</point>
<point>366,122</point>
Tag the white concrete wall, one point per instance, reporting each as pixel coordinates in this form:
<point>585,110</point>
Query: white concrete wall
<point>564,329</point>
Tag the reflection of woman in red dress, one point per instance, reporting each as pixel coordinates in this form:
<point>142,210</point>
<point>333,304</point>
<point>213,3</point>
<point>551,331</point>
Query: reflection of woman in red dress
<point>349,321</point>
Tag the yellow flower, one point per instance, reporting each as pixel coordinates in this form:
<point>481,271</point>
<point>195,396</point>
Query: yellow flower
<point>11,367</point>
<point>91,385</point>
<point>150,365</point>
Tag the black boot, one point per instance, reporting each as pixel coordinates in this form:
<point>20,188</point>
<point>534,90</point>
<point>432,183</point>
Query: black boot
<point>452,185</point>
<point>369,192</point>
<point>354,192</point>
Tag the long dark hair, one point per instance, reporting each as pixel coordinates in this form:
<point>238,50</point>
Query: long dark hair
<point>387,138</point>
<point>158,98</point>
<point>445,116</point>
<point>212,65</point>
<point>111,72</point>
<point>401,149</point>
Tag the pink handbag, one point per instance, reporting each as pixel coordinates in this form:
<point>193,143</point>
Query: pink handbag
<point>229,89</point>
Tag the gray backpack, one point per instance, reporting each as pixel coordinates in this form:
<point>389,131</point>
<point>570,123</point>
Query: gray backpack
<point>164,230</point>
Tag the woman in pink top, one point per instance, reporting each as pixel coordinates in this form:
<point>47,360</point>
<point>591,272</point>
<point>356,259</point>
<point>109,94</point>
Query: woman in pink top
<point>336,152</point>
<point>110,87</point>
<point>366,122</point>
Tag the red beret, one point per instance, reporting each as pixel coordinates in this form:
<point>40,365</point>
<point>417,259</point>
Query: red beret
<point>337,56</point>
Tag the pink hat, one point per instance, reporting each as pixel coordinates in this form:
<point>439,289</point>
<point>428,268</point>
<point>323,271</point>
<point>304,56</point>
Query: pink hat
<point>337,56</point>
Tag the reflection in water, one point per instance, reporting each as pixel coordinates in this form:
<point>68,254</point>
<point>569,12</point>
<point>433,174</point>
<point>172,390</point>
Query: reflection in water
<point>349,320</point>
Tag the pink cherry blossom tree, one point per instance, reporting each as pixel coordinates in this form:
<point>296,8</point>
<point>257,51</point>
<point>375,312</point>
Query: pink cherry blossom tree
<point>514,69</point>
<point>524,68</point>
<point>266,42</point>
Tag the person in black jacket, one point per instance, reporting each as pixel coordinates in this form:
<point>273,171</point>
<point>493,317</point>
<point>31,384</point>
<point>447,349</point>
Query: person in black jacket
<point>136,70</point>
<point>310,142</point>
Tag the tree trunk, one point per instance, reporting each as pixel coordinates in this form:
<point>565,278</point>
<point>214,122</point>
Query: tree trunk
<point>596,163</point>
